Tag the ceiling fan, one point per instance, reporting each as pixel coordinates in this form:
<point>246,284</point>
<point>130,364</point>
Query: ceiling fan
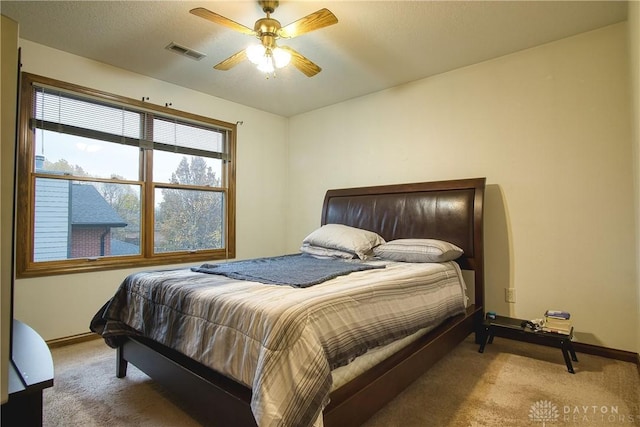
<point>268,55</point>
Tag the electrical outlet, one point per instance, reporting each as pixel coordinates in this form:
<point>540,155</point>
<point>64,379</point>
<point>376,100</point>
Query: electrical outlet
<point>510,294</point>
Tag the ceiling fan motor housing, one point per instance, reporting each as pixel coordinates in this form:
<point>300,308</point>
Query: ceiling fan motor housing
<point>267,26</point>
<point>267,31</point>
<point>268,6</point>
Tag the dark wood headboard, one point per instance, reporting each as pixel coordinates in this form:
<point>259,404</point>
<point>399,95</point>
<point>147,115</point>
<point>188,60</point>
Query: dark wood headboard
<point>444,210</point>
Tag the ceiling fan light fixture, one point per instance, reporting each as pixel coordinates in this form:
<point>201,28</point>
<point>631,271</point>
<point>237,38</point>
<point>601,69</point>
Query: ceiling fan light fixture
<point>261,57</point>
<point>266,66</point>
<point>281,57</point>
<point>256,53</point>
<point>267,60</point>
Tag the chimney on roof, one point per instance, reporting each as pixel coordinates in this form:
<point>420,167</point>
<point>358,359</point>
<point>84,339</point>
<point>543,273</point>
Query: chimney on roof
<point>39,162</point>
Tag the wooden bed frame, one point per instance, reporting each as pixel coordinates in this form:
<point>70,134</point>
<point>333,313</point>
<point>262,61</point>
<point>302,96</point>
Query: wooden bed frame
<point>446,210</point>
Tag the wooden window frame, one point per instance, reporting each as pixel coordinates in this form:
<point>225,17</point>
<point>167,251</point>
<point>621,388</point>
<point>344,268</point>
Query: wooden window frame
<point>25,265</point>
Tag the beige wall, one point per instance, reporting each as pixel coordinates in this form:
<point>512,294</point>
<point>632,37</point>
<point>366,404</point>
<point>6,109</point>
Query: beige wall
<point>634,50</point>
<point>9,63</point>
<point>550,129</point>
<point>61,306</point>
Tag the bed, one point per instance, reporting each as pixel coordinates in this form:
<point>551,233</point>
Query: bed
<point>450,211</point>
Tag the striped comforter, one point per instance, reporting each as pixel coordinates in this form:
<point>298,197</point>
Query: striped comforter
<point>280,341</point>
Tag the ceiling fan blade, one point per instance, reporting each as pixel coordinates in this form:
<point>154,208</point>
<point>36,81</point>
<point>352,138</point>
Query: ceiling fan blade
<point>219,19</point>
<point>301,63</point>
<point>319,19</point>
<point>231,61</point>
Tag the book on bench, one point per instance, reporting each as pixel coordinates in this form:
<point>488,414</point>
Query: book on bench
<point>557,321</point>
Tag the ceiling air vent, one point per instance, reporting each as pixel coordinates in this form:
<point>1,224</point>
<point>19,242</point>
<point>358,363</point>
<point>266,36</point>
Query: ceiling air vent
<point>185,51</point>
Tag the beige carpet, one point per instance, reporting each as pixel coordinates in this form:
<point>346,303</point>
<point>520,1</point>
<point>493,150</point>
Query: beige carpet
<point>511,384</point>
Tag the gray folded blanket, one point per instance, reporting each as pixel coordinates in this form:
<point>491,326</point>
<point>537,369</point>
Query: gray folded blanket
<point>298,270</point>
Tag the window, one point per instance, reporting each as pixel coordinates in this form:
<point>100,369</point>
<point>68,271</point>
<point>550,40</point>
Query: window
<point>110,182</point>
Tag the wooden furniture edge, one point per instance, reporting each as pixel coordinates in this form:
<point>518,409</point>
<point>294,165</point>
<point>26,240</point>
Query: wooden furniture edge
<point>196,387</point>
<point>30,372</point>
<point>369,392</point>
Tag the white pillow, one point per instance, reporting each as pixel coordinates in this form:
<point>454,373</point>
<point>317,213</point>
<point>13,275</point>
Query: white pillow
<point>344,238</point>
<point>418,250</point>
<point>320,252</point>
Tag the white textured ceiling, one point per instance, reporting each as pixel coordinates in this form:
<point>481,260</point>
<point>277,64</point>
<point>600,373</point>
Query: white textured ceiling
<point>374,46</point>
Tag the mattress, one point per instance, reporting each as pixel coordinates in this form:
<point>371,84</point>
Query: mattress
<point>288,345</point>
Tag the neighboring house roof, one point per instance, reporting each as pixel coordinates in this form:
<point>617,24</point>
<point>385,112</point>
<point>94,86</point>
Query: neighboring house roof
<point>88,207</point>
<point>118,247</point>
